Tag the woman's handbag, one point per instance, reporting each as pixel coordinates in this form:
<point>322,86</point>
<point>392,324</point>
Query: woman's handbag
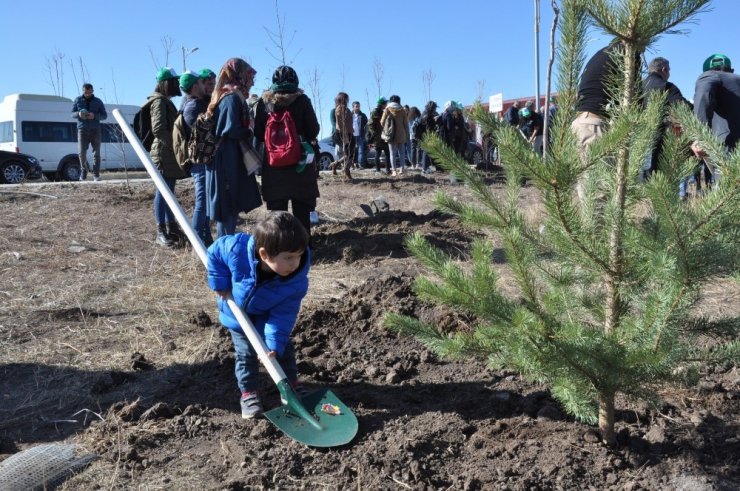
<point>251,159</point>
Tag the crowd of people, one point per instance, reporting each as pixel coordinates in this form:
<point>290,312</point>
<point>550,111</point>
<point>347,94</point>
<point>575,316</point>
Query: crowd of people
<point>716,104</point>
<point>395,131</point>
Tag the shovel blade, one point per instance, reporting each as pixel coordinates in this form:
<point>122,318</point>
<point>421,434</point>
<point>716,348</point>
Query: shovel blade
<point>332,429</point>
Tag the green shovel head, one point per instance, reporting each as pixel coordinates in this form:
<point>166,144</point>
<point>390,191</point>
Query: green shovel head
<point>320,419</point>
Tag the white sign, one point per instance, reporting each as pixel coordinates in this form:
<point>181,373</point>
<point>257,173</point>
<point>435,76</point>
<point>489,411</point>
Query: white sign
<point>496,103</point>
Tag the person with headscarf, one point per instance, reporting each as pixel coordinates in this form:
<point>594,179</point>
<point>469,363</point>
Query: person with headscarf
<point>297,183</point>
<point>231,189</point>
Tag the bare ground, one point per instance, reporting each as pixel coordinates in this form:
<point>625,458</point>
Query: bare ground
<point>111,341</point>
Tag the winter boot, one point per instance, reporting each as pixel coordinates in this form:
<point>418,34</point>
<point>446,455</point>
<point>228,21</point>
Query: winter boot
<point>347,173</point>
<point>176,234</point>
<point>163,237</point>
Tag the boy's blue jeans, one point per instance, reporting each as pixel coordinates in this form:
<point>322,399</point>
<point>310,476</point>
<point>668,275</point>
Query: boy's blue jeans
<point>247,364</point>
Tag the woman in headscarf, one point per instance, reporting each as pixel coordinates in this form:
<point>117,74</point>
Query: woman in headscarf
<point>293,183</point>
<point>231,189</point>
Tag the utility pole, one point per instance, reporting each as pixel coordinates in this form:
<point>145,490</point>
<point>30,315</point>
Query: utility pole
<point>537,53</point>
<point>185,53</point>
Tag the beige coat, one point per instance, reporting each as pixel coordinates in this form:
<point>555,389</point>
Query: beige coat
<point>395,110</point>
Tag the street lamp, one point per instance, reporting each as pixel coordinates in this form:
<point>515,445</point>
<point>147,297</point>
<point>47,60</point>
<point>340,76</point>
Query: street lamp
<point>537,53</point>
<point>185,53</point>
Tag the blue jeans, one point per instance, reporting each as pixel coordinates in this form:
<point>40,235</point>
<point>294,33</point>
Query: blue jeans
<point>162,212</point>
<point>247,364</point>
<point>397,151</point>
<point>89,137</point>
<point>360,146</point>
<point>227,227</point>
<point>201,221</point>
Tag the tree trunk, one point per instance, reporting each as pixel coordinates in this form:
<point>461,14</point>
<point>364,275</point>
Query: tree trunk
<point>606,418</point>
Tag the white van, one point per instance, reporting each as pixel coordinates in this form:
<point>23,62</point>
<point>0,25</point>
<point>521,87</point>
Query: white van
<point>42,126</point>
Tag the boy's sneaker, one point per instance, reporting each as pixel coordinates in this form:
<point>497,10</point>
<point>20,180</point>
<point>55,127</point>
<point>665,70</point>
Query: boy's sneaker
<point>251,405</point>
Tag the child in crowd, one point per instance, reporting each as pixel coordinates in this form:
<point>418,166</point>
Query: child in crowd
<point>267,275</point>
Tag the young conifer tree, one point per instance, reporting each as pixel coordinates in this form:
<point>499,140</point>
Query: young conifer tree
<point>605,285</point>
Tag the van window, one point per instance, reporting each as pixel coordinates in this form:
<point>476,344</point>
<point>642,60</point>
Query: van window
<point>112,133</point>
<point>6,132</point>
<point>46,131</point>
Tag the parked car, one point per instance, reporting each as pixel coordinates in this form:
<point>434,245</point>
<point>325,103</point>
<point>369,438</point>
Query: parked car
<point>18,167</point>
<point>474,154</point>
<point>326,157</point>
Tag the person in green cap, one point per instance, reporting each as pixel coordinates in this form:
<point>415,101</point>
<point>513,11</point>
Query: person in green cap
<point>209,80</point>
<point>717,101</point>
<point>195,103</point>
<point>163,114</point>
<point>373,130</point>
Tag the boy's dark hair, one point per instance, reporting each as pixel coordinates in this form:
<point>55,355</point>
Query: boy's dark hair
<point>87,86</point>
<point>395,98</point>
<point>280,232</point>
<point>169,88</point>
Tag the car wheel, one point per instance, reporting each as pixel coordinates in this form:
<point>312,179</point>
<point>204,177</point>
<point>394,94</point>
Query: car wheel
<point>70,170</point>
<point>13,172</point>
<point>476,157</point>
<point>325,160</point>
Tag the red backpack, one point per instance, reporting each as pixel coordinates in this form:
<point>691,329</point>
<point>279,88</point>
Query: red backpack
<point>281,139</point>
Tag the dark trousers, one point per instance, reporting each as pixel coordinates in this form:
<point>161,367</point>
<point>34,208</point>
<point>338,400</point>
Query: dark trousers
<point>300,209</point>
<point>379,148</point>
<point>89,137</point>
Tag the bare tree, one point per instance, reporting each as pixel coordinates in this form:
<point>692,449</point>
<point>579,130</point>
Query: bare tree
<point>168,45</point>
<point>481,90</point>
<point>427,78</point>
<point>119,135</point>
<point>55,69</point>
<point>278,38</point>
<point>84,73</point>
<point>314,77</point>
<point>546,126</point>
<point>378,71</point>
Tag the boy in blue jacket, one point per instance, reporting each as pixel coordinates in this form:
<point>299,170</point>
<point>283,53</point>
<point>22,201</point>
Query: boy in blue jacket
<point>267,275</point>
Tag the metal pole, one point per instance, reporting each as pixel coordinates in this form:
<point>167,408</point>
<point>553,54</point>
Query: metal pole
<point>537,53</point>
<point>275,371</point>
<point>183,59</point>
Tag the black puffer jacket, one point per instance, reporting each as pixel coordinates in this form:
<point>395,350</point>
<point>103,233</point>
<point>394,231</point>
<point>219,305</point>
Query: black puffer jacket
<point>280,183</point>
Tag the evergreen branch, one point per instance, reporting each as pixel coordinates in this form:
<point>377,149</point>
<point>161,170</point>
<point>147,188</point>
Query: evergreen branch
<point>572,234</point>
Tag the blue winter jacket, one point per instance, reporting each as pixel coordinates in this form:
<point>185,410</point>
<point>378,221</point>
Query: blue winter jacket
<point>272,306</point>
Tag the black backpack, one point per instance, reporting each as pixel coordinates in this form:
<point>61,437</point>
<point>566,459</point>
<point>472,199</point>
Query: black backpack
<point>203,140</point>
<point>143,125</point>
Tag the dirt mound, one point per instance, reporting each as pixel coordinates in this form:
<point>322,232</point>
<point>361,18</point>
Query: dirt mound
<point>113,342</point>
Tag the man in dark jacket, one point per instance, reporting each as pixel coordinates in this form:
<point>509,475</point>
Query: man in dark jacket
<point>593,100</point>
<point>512,115</point>
<point>359,121</point>
<point>717,101</point>
<point>659,70</point>
<point>89,111</point>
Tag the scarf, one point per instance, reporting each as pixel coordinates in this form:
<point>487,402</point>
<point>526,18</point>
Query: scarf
<point>284,87</point>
